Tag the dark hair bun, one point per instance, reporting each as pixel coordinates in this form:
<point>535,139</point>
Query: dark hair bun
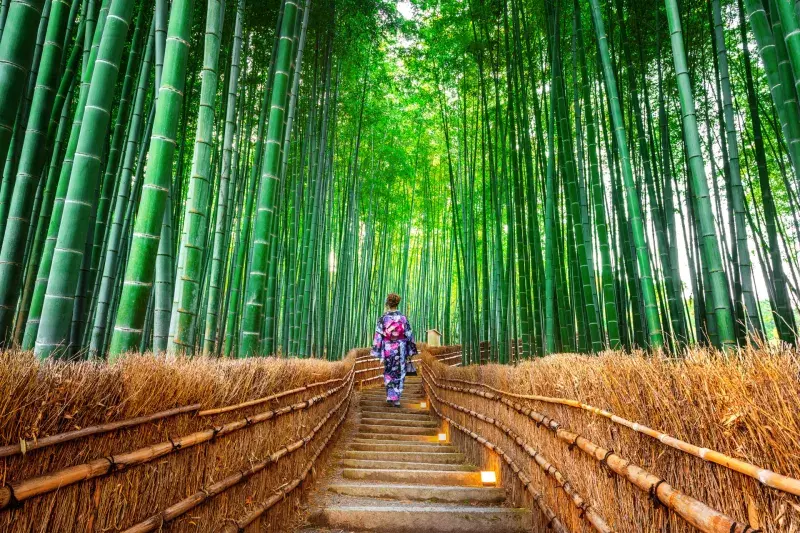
<point>393,300</point>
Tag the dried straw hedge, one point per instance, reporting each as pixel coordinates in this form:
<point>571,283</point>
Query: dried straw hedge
<point>43,399</point>
<point>745,406</point>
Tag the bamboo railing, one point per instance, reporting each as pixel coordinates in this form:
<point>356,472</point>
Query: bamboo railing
<point>18,492</point>
<point>691,510</point>
<point>172,512</point>
<point>26,446</point>
<point>585,509</point>
<point>764,476</point>
<point>53,497</point>
<point>552,521</point>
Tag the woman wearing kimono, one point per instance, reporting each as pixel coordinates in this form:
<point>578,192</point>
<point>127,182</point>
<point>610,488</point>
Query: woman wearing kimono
<point>393,344</point>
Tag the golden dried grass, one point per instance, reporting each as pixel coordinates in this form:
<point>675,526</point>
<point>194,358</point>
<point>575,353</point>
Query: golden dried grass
<point>45,398</point>
<point>743,405</point>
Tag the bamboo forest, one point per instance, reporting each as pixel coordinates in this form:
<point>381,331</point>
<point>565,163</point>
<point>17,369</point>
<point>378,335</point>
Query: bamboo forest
<point>252,177</point>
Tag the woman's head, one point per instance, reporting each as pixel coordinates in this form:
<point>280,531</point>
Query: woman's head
<point>392,301</point>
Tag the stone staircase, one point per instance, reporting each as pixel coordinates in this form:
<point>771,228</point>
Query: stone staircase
<point>395,477</point>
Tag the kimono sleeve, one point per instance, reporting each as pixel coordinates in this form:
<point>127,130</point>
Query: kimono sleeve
<point>377,340</point>
<point>412,345</point>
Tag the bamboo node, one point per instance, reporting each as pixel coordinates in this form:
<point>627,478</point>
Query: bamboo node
<point>604,462</point>
<point>7,498</point>
<point>657,501</point>
<point>573,443</point>
<point>175,445</point>
<point>113,466</point>
<point>747,528</point>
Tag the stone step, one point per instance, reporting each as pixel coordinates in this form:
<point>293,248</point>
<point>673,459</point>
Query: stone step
<point>381,393</point>
<point>399,518</point>
<point>394,412</point>
<point>421,477</point>
<point>426,457</point>
<point>398,422</point>
<point>396,430</point>
<point>406,398</point>
<point>416,447</point>
<point>381,404</point>
<point>396,438</point>
<point>381,407</point>
<point>397,465</point>
<point>434,493</point>
<point>387,418</point>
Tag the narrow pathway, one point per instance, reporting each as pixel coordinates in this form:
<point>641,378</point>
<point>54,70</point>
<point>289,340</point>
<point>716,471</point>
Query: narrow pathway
<point>395,477</point>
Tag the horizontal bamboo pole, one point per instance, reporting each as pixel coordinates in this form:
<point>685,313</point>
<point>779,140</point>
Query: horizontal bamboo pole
<point>365,380</point>
<point>765,476</point>
<point>259,401</point>
<point>371,369</point>
<point>18,492</point>
<point>158,520</point>
<point>584,507</point>
<point>26,446</point>
<point>552,520</point>
<point>285,489</point>
<point>690,509</point>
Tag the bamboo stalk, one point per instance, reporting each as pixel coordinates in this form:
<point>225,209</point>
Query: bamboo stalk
<point>693,511</point>
<point>258,401</point>
<point>763,475</point>
<point>180,508</point>
<point>25,446</point>
<point>20,491</point>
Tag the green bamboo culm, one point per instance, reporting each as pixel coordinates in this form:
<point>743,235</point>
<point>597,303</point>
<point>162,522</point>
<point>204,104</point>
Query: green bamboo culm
<point>752,319</point>
<point>94,24</point>
<point>16,54</point>
<point>140,271</point>
<point>63,280</point>
<point>549,228</point>
<point>219,247</point>
<point>699,185</point>
<point>631,194</point>
<point>111,260</point>
<point>596,193</point>
<point>250,343</point>
<point>791,31</point>
<point>30,167</point>
<point>192,254</point>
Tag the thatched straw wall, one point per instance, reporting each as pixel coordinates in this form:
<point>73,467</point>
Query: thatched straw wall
<point>369,370</point>
<point>42,399</point>
<point>745,406</point>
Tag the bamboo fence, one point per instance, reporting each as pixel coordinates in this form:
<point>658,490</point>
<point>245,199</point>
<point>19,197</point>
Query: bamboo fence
<point>83,452</point>
<point>550,520</point>
<point>584,508</point>
<point>671,487</point>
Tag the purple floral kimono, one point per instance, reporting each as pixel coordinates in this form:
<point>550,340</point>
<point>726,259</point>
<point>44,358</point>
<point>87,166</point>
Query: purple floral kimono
<point>392,344</point>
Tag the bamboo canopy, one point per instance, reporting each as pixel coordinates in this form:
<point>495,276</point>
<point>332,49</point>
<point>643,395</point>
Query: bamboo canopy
<point>245,179</point>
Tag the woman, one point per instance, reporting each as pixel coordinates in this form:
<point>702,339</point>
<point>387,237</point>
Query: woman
<point>393,344</point>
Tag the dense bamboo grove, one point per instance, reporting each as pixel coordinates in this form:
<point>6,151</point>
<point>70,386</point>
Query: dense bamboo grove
<point>240,178</point>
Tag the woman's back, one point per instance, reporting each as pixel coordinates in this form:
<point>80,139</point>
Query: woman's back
<point>393,343</point>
